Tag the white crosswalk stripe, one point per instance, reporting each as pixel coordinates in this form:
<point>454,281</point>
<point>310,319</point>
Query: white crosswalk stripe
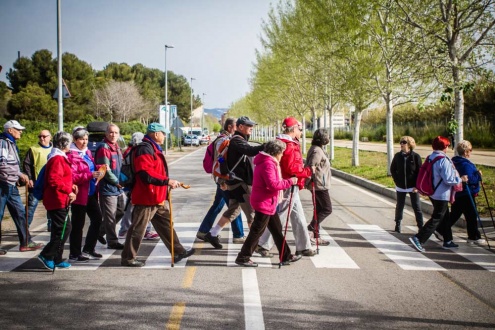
<point>475,254</point>
<point>405,256</point>
<point>332,256</point>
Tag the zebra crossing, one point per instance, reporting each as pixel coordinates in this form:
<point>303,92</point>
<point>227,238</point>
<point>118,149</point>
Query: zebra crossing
<point>334,256</point>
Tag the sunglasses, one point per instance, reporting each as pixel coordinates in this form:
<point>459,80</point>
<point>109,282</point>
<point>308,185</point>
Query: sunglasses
<point>43,136</point>
<point>403,142</point>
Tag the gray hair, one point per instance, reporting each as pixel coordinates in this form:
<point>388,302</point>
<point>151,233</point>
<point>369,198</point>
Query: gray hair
<point>61,140</point>
<point>79,132</point>
<point>463,146</point>
<point>274,147</point>
<point>137,138</point>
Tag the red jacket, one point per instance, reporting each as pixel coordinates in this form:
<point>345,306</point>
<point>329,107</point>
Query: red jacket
<point>151,171</point>
<point>292,162</point>
<point>58,181</point>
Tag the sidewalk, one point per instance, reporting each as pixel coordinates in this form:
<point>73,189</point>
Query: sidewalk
<point>479,156</point>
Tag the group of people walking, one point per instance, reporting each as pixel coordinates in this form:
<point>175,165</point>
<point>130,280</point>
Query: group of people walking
<point>448,176</point>
<point>264,183</point>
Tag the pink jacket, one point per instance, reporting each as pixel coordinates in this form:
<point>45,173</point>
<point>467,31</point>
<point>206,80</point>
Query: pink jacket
<point>266,184</point>
<point>81,176</point>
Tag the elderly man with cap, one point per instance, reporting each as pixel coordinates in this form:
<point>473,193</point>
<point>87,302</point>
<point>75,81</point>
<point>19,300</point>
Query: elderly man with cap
<point>239,161</point>
<point>292,165</point>
<point>35,159</point>
<point>10,175</point>
<point>148,197</point>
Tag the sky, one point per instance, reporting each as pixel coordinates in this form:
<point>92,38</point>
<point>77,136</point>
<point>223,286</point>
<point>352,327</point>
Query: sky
<point>214,40</point>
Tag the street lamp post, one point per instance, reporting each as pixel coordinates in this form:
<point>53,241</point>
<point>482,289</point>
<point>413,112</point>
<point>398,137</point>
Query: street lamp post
<point>59,68</point>
<point>167,112</point>
<point>203,115</point>
<point>191,105</point>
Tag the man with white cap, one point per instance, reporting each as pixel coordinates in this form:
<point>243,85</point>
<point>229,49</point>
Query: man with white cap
<point>10,176</point>
<point>292,165</point>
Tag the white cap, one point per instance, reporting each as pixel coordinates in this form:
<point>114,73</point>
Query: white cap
<point>13,124</point>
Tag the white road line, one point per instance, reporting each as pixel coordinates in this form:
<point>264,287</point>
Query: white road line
<point>160,257</point>
<point>234,249</point>
<point>476,254</point>
<point>404,255</point>
<point>332,256</point>
<point>14,258</point>
<point>253,313</point>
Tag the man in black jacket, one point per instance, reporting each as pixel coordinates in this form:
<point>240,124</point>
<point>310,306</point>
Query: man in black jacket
<point>239,160</point>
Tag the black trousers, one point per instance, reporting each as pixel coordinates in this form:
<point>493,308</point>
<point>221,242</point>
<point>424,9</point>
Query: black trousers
<point>323,209</point>
<point>463,205</point>
<point>95,219</point>
<point>260,223</point>
<point>415,203</point>
<point>440,221</point>
<point>55,248</point>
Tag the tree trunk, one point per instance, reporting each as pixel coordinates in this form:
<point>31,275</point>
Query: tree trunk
<point>459,106</point>
<point>331,135</point>
<point>390,132</point>
<point>355,137</point>
<point>303,149</point>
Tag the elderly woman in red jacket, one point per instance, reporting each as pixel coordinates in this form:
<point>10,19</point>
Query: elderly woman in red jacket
<point>58,192</point>
<point>267,186</point>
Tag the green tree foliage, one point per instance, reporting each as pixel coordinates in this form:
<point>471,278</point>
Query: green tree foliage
<point>32,103</point>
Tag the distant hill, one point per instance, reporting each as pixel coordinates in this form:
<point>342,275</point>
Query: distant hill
<point>216,112</point>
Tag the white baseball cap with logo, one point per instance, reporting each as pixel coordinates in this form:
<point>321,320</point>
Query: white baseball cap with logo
<point>13,124</point>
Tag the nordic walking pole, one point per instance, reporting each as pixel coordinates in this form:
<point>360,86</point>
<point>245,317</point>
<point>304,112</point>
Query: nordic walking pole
<point>477,214</point>
<point>487,204</point>
<point>27,215</point>
<point>60,246</point>
<point>169,198</point>
<point>286,224</point>
<point>317,226</point>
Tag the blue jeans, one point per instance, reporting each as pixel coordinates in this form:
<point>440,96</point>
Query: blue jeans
<point>10,197</point>
<point>221,197</point>
<point>32,205</point>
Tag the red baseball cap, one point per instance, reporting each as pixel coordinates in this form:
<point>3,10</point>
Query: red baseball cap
<point>290,121</point>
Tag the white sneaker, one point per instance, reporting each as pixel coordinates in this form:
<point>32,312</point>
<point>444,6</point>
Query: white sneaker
<point>479,241</point>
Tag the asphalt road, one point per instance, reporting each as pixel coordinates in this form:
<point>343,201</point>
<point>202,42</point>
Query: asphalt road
<point>369,277</point>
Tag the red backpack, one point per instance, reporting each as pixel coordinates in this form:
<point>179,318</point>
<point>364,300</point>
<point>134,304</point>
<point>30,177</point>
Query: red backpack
<point>209,158</point>
<point>424,182</point>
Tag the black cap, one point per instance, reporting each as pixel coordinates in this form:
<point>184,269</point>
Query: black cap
<point>245,121</point>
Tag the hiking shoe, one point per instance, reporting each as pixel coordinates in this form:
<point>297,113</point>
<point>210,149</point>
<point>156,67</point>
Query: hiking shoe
<point>397,228</point>
<point>48,264</point>
<point>417,245</point>
<point>478,241</point>
<point>263,252</point>
<point>122,235</point>
<point>151,235</point>
<point>215,241</point>
<point>321,241</point>
<point>116,246</point>
<point>306,253</point>
<point>438,236</point>
<point>292,258</point>
<point>248,263</point>
<point>79,258</point>
<point>183,255</point>
<point>32,246</point>
<point>239,240</point>
<point>132,263</point>
<point>93,254</point>
<point>3,252</point>
<point>102,240</point>
<point>450,245</point>
<point>63,265</point>
<point>200,235</point>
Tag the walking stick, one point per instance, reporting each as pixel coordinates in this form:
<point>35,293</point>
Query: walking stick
<point>169,199</point>
<point>286,224</point>
<point>27,215</point>
<point>487,204</point>
<point>477,214</point>
<point>60,245</point>
<point>317,227</point>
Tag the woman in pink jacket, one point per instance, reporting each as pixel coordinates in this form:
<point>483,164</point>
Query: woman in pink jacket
<point>265,196</point>
<point>84,175</point>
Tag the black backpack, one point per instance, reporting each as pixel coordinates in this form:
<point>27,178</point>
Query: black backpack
<point>127,176</point>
